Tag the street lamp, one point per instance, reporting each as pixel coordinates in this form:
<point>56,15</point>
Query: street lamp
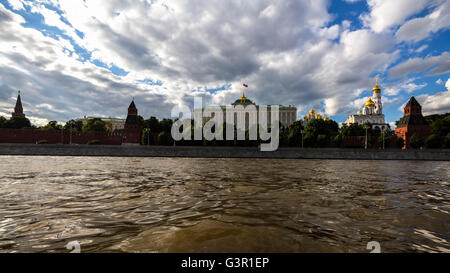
<point>302,131</point>
<point>366,127</point>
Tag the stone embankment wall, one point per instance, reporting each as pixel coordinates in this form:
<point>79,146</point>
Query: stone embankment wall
<point>222,152</point>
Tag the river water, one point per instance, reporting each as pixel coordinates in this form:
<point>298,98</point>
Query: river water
<point>112,204</point>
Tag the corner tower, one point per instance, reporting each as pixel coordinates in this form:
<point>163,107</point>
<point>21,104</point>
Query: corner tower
<point>18,109</point>
<point>412,122</point>
<point>132,130</point>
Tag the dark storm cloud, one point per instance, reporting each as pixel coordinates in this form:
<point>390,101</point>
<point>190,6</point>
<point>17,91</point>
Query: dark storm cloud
<point>286,50</point>
<point>141,56</point>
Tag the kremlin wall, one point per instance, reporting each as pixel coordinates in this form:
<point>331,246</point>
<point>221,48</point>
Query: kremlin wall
<point>412,122</point>
<point>130,135</point>
<point>33,136</point>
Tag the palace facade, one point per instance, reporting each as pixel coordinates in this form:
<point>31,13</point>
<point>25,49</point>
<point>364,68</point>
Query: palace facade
<point>288,114</point>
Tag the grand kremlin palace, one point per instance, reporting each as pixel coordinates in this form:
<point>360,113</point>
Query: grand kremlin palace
<point>288,114</point>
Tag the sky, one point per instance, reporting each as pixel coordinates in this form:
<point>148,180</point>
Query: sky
<point>75,58</point>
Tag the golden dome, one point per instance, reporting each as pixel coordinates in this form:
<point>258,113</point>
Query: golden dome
<point>370,103</point>
<point>376,88</point>
<point>326,119</point>
<point>311,114</point>
<point>243,98</point>
<point>318,116</point>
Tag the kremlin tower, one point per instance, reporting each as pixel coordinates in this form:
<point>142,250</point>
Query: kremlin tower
<point>412,122</point>
<point>132,130</point>
<point>18,110</point>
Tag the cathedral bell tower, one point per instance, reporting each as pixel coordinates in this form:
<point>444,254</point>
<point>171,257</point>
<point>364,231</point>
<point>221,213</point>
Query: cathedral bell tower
<point>377,98</point>
<point>132,130</point>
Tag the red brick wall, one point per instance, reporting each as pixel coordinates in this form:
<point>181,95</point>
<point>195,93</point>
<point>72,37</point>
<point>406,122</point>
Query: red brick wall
<point>54,137</point>
<point>407,132</point>
<point>132,134</point>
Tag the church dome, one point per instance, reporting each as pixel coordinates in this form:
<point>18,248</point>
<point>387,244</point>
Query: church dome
<point>243,100</point>
<point>376,88</point>
<point>370,103</point>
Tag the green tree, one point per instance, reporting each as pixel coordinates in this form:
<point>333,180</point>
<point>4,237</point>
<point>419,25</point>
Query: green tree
<point>433,142</point>
<point>321,141</point>
<point>153,124</point>
<point>164,138</point>
<point>166,125</point>
<point>18,123</point>
<point>317,127</point>
<point>94,125</point>
<point>3,122</point>
<point>353,129</point>
<point>51,125</point>
<point>75,125</point>
<point>309,140</point>
<point>295,134</point>
<point>415,141</point>
<point>447,141</point>
<point>435,117</point>
<point>441,126</point>
<point>140,121</point>
<point>338,140</point>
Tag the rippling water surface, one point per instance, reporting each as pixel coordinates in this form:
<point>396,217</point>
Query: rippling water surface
<point>112,204</point>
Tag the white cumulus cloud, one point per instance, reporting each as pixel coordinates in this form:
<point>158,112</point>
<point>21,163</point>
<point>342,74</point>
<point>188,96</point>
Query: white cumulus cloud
<point>420,28</point>
<point>385,14</point>
<point>438,103</point>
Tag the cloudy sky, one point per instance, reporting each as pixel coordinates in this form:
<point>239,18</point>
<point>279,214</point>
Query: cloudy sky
<point>74,58</point>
